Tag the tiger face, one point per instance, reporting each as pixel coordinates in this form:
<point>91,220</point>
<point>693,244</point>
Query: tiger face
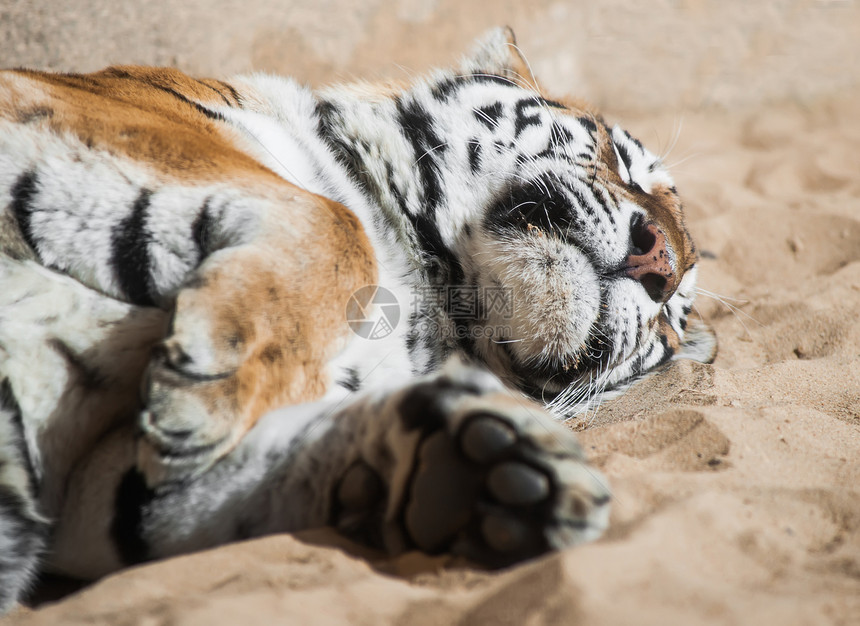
<point>587,239</point>
<point>563,235</point>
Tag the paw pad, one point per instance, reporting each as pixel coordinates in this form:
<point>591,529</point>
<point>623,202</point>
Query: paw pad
<point>444,491</point>
<point>506,534</point>
<point>497,482</point>
<point>360,504</point>
<point>485,437</point>
<point>360,488</point>
<point>517,484</point>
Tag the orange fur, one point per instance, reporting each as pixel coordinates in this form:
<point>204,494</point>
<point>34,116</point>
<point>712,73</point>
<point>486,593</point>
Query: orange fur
<point>278,317</point>
<point>275,306</point>
<point>136,112</point>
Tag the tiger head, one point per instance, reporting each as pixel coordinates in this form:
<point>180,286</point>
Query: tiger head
<point>559,241</point>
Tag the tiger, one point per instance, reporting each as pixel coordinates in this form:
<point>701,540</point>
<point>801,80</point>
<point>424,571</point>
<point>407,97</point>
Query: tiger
<point>244,307</point>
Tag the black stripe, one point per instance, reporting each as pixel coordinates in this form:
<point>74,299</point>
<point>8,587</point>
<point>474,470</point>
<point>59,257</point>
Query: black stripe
<point>350,381</point>
<point>412,333</point>
<point>201,232</point>
<point>330,128</point>
<point>233,93</point>
<point>636,364</point>
<point>583,202</point>
<point>668,353</point>
<point>474,147</point>
<point>489,115</point>
<point>446,265</point>
<point>647,356</point>
<point>27,535</point>
<point>552,103</point>
<point>625,156</point>
<point>443,90</point>
<point>444,268</point>
<point>559,138</point>
<point>34,114</point>
<point>130,257</point>
<point>208,86</point>
<point>669,350</point>
<point>212,115</point>
<point>9,402</point>
<point>416,125</point>
<point>523,121</point>
<point>23,194</point>
<point>606,202</point>
<point>399,198</point>
<point>560,134</point>
<point>624,340</point>
<point>127,527</point>
<point>487,77</point>
<point>588,124</point>
<point>329,116</point>
<point>119,73</point>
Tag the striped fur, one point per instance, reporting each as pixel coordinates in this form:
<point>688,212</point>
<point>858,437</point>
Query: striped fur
<point>177,257</point>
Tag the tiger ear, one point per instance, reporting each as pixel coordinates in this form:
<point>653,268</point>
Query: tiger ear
<point>497,53</point>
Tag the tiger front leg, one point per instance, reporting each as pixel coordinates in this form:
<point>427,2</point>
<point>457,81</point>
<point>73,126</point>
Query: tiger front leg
<point>228,356</point>
<point>251,331</point>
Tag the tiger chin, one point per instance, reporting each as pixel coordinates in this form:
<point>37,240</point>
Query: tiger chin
<point>235,308</point>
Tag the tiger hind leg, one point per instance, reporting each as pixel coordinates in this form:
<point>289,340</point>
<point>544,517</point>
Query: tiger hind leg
<point>451,463</point>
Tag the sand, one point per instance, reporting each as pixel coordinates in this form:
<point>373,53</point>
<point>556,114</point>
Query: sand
<point>736,484</point>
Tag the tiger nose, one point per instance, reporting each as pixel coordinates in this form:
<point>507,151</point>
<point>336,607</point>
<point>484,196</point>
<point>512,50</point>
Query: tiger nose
<point>650,261</point>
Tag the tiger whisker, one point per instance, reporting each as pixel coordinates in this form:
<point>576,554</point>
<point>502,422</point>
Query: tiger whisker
<point>736,311</point>
<point>678,127</point>
<point>430,151</point>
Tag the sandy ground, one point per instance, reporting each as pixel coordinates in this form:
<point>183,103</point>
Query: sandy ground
<point>736,484</point>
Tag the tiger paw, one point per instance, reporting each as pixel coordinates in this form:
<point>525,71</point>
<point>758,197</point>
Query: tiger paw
<point>189,421</point>
<point>195,407</point>
<point>494,478</point>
